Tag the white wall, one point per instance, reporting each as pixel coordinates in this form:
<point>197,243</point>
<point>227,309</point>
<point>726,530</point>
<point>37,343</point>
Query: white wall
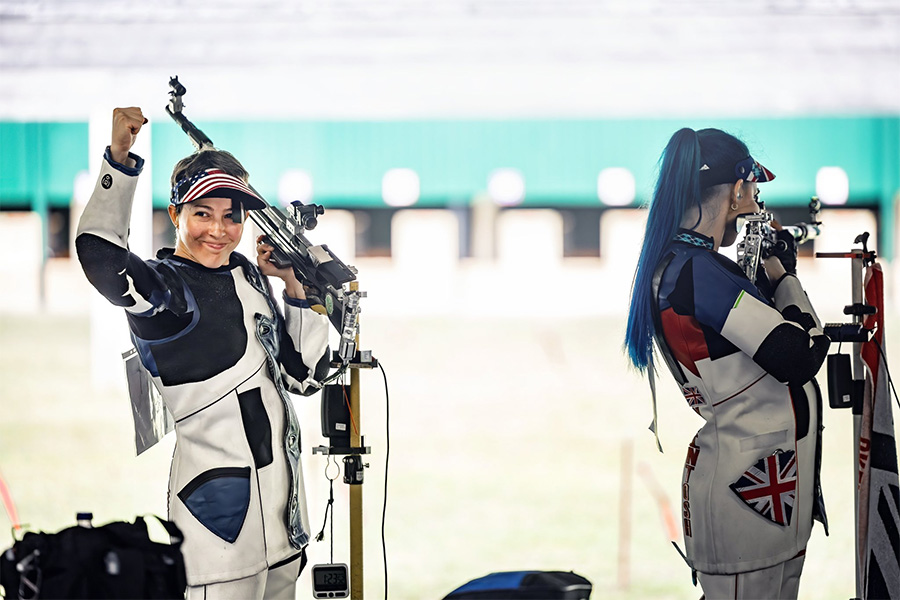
<point>452,58</point>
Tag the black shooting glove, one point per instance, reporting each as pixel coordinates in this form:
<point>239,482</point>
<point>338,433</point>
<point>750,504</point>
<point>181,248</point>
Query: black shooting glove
<point>785,248</point>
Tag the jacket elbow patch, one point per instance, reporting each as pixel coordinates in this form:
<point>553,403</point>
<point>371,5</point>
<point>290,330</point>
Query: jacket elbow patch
<point>292,360</point>
<point>804,320</point>
<point>102,263</point>
<point>323,366</point>
<point>789,355</point>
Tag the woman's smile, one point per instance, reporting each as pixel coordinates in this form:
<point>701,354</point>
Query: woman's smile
<point>206,233</point>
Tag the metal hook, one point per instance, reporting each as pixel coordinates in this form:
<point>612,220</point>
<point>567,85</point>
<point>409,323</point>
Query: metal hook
<point>331,460</point>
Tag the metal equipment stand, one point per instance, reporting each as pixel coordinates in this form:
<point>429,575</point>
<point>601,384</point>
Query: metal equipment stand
<point>353,464</point>
<point>844,392</point>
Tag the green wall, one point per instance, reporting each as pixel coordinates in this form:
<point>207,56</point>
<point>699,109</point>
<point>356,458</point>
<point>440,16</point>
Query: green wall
<point>39,161</point>
<point>559,158</point>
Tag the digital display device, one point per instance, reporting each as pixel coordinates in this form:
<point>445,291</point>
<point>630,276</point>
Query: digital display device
<point>331,581</point>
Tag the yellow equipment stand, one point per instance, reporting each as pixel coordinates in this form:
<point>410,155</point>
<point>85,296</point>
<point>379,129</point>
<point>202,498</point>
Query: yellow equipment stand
<point>362,360</point>
<point>356,490</point>
<point>356,494</point>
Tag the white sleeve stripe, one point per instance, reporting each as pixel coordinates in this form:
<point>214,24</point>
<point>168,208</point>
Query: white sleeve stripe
<point>140,303</point>
<point>750,322</point>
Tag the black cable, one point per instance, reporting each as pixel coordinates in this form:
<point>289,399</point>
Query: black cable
<point>387,456</point>
<point>328,507</point>
<point>331,532</point>
<point>333,376</point>
<point>886,370</point>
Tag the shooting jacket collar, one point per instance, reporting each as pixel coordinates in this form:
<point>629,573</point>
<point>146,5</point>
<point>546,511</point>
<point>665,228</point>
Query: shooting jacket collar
<point>688,236</point>
<point>169,254</point>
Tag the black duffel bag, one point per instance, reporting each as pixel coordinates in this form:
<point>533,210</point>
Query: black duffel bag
<point>117,560</point>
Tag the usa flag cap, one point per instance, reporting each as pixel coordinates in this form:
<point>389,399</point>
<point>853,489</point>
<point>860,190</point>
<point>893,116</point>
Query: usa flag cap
<point>747,169</point>
<point>215,183</point>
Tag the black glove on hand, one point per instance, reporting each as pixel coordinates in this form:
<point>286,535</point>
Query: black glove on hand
<point>785,249</point>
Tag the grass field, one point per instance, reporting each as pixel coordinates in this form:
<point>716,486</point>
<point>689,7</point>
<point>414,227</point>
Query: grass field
<point>507,440</point>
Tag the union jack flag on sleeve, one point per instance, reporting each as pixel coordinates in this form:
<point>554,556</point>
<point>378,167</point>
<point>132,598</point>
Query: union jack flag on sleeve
<point>879,492</point>
<point>770,486</point>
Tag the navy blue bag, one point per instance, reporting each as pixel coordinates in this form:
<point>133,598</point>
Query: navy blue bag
<point>525,585</point>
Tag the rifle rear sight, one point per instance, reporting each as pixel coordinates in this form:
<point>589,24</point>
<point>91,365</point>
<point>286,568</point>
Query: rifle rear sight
<point>306,214</point>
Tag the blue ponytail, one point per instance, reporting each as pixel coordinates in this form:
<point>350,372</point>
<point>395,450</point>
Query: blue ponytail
<point>677,189</point>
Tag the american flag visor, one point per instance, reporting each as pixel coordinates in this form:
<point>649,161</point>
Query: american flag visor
<point>215,183</point>
<point>747,169</point>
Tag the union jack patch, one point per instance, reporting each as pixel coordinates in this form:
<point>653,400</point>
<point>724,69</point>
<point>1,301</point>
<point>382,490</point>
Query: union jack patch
<point>693,396</point>
<point>770,486</point>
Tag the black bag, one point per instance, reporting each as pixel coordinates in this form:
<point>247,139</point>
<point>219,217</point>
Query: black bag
<point>525,585</point>
<point>117,560</point>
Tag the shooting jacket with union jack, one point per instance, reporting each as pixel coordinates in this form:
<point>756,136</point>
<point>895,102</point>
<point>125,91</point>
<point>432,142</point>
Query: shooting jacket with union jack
<point>223,357</point>
<point>746,363</point>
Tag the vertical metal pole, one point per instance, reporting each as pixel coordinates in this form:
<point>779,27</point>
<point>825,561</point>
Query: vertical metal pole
<point>856,282</point>
<point>356,490</point>
<point>624,569</point>
<point>41,207</point>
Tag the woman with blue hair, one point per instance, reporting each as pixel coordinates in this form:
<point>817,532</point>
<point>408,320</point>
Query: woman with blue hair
<point>745,354</point>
